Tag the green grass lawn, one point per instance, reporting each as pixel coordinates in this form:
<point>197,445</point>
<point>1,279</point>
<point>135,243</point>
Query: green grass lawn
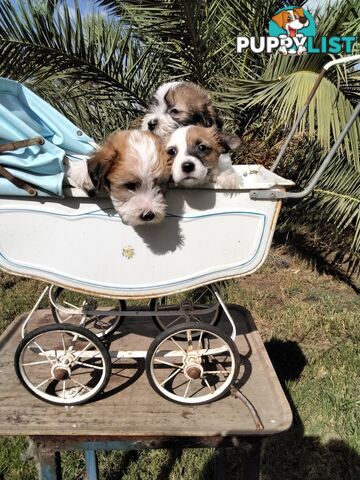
<point>310,323</point>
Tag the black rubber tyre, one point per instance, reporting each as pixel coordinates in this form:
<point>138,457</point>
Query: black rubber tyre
<point>30,346</point>
<point>55,293</point>
<point>202,332</point>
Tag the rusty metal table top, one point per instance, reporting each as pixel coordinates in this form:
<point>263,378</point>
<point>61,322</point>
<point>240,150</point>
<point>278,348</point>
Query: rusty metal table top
<point>129,408</point>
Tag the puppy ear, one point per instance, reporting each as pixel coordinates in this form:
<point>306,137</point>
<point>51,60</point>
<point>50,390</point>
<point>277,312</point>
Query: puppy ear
<point>280,18</point>
<point>204,117</point>
<point>208,117</point>
<point>218,120</point>
<point>100,164</point>
<point>229,142</point>
<point>169,97</point>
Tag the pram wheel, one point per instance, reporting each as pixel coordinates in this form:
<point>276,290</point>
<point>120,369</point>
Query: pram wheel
<point>81,309</point>
<point>62,364</point>
<point>199,305</point>
<point>195,369</point>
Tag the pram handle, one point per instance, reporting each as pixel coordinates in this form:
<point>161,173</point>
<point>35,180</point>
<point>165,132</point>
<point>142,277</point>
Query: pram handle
<point>266,194</point>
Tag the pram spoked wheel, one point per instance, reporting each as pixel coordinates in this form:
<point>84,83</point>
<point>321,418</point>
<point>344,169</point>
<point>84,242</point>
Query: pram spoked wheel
<point>199,305</point>
<point>79,309</point>
<point>192,364</point>
<point>62,364</point>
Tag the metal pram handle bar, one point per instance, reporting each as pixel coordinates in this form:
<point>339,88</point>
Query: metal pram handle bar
<point>274,194</point>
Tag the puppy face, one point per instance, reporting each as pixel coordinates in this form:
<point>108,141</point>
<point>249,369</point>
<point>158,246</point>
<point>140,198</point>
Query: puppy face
<point>195,153</point>
<point>177,104</point>
<point>132,165</point>
<point>291,20</point>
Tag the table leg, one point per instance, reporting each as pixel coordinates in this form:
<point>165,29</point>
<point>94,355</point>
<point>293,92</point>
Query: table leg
<point>49,466</point>
<point>252,462</point>
<point>48,460</point>
<point>92,470</point>
<point>220,464</point>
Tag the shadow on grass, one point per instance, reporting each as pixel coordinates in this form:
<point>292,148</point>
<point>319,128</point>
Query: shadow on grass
<point>166,469</point>
<point>316,256</point>
<point>292,454</point>
<point>123,465</point>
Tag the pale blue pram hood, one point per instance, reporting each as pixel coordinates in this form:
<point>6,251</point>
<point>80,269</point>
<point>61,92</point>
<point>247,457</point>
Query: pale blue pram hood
<point>24,115</point>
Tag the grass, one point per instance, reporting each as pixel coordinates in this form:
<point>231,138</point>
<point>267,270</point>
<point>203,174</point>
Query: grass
<point>310,324</point>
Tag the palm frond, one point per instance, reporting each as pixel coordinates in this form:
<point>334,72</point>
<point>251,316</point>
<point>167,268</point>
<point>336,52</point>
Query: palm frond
<point>103,55</point>
<point>192,33</point>
<point>285,97</point>
<point>332,214</point>
<point>97,117</point>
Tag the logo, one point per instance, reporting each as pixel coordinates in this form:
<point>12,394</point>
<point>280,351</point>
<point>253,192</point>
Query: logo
<point>292,30</point>
<point>294,26</point>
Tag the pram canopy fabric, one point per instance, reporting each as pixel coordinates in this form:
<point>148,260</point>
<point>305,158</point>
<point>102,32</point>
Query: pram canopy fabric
<point>24,115</point>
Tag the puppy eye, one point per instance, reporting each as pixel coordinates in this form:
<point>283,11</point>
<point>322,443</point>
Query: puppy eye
<point>172,151</point>
<point>132,186</point>
<point>203,148</point>
<point>174,111</point>
<point>289,18</point>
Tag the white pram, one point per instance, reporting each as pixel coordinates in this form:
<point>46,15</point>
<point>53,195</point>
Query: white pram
<point>80,244</point>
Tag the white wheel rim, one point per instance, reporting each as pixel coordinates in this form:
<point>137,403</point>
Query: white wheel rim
<point>187,388</point>
<point>42,356</point>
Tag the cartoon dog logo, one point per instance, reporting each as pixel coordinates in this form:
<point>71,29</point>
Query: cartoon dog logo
<point>289,23</point>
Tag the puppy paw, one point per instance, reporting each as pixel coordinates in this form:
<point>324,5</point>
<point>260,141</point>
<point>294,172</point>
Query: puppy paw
<point>76,175</point>
<point>228,180</point>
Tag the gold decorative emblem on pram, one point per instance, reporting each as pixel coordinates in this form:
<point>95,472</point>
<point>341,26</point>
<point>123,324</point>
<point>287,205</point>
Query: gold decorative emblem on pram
<point>128,252</point>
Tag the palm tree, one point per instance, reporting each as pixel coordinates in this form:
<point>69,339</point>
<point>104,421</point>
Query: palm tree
<point>99,70</point>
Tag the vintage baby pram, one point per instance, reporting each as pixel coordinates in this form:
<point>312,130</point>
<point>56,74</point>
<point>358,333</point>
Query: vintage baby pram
<point>80,244</point>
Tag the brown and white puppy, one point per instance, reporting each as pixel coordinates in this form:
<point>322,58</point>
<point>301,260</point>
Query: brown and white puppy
<point>132,166</point>
<point>177,104</point>
<point>197,155</point>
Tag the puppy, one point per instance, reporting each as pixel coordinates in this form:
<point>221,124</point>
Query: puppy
<point>177,104</point>
<point>197,155</point>
<point>132,166</point>
<point>77,175</point>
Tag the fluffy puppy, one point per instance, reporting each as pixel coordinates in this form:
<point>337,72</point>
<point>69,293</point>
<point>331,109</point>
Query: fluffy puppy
<point>177,104</point>
<point>199,156</point>
<point>132,166</point>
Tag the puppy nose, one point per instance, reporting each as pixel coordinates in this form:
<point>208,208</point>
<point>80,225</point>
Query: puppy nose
<point>302,20</point>
<point>148,216</point>
<point>188,167</point>
<point>152,124</point>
